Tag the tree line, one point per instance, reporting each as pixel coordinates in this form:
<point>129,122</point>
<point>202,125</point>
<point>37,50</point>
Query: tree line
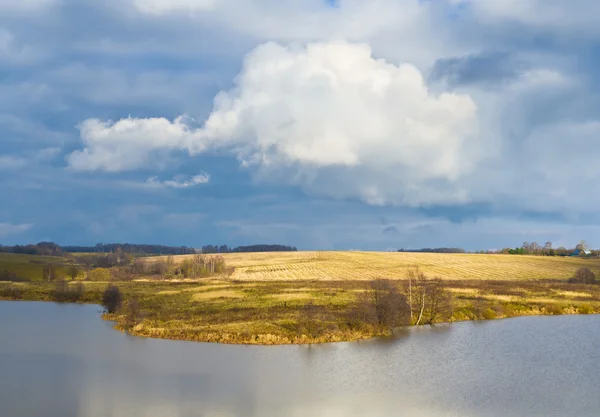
<point>547,249</point>
<point>250,248</point>
<point>53,249</point>
<point>130,248</point>
<point>41,248</point>
<point>434,250</point>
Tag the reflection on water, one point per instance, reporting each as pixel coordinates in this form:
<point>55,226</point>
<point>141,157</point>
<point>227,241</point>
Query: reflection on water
<point>63,361</point>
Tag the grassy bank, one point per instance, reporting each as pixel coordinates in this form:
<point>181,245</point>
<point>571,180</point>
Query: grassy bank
<point>229,310</point>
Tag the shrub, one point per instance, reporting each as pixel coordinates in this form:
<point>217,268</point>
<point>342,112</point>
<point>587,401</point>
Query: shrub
<point>111,299</point>
<point>202,266</point>
<point>99,274</point>
<point>583,276</point>
<point>585,309</point>
<point>11,292</point>
<point>554,309</point>
<point>6,275</point>
<point>382,306</point>
<point>488,314</point>
<point>74,272</point>
<point>133,313</point>
<point>309,323</point>
<point>63,292</point>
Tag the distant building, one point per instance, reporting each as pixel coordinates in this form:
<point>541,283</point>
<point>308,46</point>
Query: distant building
<point>581,252</point>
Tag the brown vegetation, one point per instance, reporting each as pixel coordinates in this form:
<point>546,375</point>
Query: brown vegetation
<point>583,276</point>
<point>220,308</point>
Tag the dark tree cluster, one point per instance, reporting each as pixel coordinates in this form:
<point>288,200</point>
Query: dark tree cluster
<point>434,250</point>
<point>104,260</point>
<point>131,249</point>
<point>6,275</point>
<point>385,306</point>
<point>534,248</point>
<point>63,292</point>
<point>583,276</point>
<point>111,299</point>
<point>382,306</point>
<point>42,248</point>
<point>251,248</point>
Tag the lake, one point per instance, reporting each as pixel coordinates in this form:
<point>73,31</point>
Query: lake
<point>64,361</point>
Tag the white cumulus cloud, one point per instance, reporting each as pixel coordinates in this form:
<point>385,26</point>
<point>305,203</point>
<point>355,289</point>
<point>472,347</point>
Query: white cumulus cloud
<point>128,143</point>
<point>158,7</point>
<point>327,116</point>
<point>180,181</point>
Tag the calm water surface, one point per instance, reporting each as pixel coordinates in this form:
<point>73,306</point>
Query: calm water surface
<point>63,361</point>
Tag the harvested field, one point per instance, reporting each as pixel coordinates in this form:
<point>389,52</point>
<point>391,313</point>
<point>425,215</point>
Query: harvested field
<point>327,266</point>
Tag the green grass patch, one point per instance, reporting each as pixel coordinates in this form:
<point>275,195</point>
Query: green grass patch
<point>31,267</point>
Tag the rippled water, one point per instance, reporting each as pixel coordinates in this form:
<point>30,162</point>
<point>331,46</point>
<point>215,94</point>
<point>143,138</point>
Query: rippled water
<point>63,361</point>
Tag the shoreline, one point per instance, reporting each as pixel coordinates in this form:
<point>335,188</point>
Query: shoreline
<point>298,312</point>
<point>273,340</point>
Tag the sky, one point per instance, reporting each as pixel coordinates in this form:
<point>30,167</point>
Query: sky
<point>347,124</point>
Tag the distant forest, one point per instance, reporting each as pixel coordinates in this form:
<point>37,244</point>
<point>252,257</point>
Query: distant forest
<point>434,250</point>
<point>42,248</point>
<point>251,248</point>
<point>131,248</point>
<point>53,249</point>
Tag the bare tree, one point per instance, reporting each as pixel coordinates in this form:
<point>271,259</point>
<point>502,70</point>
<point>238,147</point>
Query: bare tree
<point>428,299</point>
<point>49,272</point>
<point>583,276</point>
<point>309,323</point>
<point>133,313</point>
<point>383,306</point>
<point>440,302</point>
<point>74,272</point>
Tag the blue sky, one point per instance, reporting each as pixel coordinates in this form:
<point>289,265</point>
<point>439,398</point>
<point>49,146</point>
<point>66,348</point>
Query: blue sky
<point>348,125</point>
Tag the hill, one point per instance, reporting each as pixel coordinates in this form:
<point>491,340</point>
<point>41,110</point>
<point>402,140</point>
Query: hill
<point>31,267</point>
<point>394,265</point>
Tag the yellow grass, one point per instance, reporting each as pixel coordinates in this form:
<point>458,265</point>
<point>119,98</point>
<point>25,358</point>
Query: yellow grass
<point>292,296</point>
<point>394,265</point>
<point>168,292</point>
<point>574,294</point>
<point>201,296</point>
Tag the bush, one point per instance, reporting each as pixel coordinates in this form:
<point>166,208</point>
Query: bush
<point>75,273</point>
<point>554,309</point>
<point>99,274</point>
<point>585,309</point>
<point>6,275</point>
<point>133,313</point>
<point>11,292</point>
<point>111,299</point>
<point>202,266</point>
<point>488,314</point>
<point>382,306</point>
<point>583,276</point>
<point>63,292</point>
<point>309,322</point>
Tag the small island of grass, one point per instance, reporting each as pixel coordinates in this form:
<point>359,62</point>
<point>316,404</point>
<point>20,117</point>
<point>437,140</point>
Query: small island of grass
<point>312,297</point>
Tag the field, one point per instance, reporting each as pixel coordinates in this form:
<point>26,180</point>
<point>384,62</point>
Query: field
<point>311,297</point>
<point>31,267</point>
<point>285,266</point>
